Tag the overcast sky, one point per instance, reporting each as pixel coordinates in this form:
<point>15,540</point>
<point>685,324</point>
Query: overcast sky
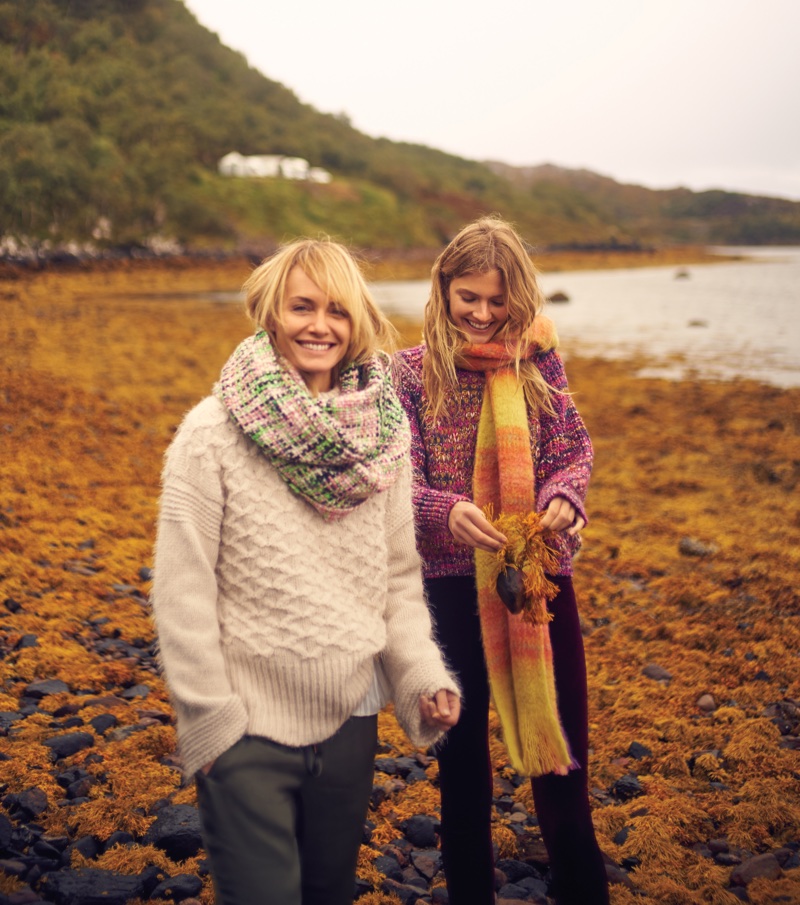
<point>698,93</point>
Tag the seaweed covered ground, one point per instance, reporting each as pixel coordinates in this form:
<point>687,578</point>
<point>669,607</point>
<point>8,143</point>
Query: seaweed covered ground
<point>688,584</point>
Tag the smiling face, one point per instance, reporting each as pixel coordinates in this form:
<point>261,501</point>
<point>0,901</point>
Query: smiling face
<point>313,332</point>
<point>477,305</point>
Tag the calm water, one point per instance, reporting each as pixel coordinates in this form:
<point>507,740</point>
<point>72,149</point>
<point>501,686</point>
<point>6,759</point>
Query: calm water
<point>716,321</point>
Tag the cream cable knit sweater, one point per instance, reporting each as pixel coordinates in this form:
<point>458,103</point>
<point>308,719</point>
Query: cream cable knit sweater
<point>268,616</point>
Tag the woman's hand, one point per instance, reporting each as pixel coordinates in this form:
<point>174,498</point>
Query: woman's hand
<point>441,709</point>
<point>469,525</point>
<point>562,514</point>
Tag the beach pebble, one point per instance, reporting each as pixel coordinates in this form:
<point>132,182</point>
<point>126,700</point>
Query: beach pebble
<point>707,703</point>
<point>39,690</point>
<point>639,751</point>
<point>178,888</point>
<point>690,546</point>
<point>66,745</point>
<point>766,866</point>
<point>657,673</point>
<point>627,787</point>
<point>91,885</point>
<point>420,831</point>
<point>177,831</point>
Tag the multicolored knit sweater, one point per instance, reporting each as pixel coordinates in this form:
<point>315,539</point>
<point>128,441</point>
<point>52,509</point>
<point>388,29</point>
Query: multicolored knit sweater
<point>444,457</point>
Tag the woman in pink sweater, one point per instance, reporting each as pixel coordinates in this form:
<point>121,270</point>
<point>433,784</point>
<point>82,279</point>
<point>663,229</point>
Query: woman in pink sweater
<point>495,431</point>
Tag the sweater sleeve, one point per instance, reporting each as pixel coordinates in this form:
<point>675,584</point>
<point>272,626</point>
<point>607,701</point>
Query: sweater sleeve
<point>431,506</point>
<point>566,454</point>
<point>211,718</point>
<point>413,662</point>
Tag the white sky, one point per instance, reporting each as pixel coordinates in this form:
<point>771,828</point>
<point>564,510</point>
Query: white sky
<point>698,93</point>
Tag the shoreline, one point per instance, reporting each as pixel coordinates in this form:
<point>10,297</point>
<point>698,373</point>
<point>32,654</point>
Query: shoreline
<point>688,587</point>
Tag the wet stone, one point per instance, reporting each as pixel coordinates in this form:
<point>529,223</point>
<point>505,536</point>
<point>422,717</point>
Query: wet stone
<point>639,751</point>
<point>178,888</point>
<point>420,831</point>
<point>90,887</point>
<point>176,830</point>
<point>63,746</point>
<point>627,787</point>
<point>45,687</point>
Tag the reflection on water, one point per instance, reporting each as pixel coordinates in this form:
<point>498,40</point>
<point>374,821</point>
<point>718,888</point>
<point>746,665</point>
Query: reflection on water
<point>713,320</point>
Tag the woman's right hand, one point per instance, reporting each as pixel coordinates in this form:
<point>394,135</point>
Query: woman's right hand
<point>469,525</point>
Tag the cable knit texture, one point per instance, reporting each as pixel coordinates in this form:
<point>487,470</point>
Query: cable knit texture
<point>268,615</point>
<point>443,458</point>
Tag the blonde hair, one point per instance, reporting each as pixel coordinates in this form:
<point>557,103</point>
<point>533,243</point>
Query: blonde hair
<point>332,267</point>
<point>488,244</point>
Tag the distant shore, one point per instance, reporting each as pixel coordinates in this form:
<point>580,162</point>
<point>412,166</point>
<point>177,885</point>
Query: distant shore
<point>378,264</point>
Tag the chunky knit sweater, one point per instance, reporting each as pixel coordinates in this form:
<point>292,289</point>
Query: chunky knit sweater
<point>269,617</point>
<point>443,459</point>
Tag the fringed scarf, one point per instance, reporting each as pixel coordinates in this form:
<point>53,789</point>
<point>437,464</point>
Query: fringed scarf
<point>517,647</point>
<point>335,450</point>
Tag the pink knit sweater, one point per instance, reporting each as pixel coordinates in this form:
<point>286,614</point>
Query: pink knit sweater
<point>443,459</point>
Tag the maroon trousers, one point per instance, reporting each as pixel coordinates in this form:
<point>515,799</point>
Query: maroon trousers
<point>465,770</point>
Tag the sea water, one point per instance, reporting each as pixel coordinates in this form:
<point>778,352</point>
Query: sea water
<point>720,320</point>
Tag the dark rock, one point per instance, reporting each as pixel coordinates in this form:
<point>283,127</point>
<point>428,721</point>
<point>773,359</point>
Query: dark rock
<point>32,802</point>
<point>88,846</point>
<point>27,641</point>
<point>103,722</point>
<point>407,894</point>
<point>146,573</point>
<point>427,862</point>
<point>362,887</point>
<point>536,887</point>
<point>657,673</point>
<point>622,835</point>
<point>512,891</point>
<point>514,871</point>
<point>137,691</point>
<point>90,887</point>
<point>13,606</point>
<point>41,689</point>
<point>6,829</point>
<point>120,837</point>
<point>176,830</point>
<point>178,888</point>
<point>13,867</point>
<point>420,831</point>
<point>7,718</point>
<point>758,866</point>
<point>627,787</point>
<point>639,751</point>
<point>617,876</point>
<point>80,788</point>
<point>718,846</point>
<point>440,896</point>
<point>66,745</point>
<point>727,859</point>
<point>412,878</point>
<point>389,867</point>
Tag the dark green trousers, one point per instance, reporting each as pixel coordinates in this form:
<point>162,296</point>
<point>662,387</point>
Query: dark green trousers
<point>281,825</point>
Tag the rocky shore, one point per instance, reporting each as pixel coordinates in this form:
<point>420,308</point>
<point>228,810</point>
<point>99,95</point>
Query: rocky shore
<point>688,585</point>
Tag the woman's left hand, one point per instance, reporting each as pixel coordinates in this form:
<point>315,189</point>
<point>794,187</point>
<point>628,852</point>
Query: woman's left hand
<point>562,514</point>
<point>441,709</point>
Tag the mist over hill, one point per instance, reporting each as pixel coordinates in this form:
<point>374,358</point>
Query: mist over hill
<point>115,113</point>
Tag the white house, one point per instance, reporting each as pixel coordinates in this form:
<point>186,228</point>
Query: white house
<point>271,165</point>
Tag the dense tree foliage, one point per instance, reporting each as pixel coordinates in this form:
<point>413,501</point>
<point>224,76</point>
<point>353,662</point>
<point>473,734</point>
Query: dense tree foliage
<point>114,114</point>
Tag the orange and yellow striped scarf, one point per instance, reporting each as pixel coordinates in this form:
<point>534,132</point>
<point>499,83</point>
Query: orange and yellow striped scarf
<point>518,654</point>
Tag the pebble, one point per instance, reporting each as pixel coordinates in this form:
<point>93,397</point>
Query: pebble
<point>706,703</point>
<point>657,673</point>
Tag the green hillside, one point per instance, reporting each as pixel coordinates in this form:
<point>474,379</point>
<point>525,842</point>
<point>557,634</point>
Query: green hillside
<point>114,114</point>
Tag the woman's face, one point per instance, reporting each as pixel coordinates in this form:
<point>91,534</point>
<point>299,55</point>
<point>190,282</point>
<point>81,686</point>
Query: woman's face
<point>477,305</point>
<point>315,331</point>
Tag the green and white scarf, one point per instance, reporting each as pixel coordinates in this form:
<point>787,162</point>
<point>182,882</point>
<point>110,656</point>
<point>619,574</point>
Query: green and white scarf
<point>336,450</point>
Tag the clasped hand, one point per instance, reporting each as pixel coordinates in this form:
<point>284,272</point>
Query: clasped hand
<point>469,525</point>
<point>441,709</point>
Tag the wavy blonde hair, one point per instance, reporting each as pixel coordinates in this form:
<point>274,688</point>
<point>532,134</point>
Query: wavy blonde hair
<point>488,244</point>
<point>333,268</point>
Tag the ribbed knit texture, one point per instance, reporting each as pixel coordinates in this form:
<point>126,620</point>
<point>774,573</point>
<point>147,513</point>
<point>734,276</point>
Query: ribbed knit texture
<point>268,615</point>
<point>443,457</point>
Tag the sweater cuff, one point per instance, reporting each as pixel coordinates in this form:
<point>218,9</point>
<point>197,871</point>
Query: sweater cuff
<point>552,491</point>
<point>433,508</point>
<point>203,741</point>
<point>423,679</point>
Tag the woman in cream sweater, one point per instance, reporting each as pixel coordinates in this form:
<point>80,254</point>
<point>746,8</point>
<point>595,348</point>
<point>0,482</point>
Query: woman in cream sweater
<point>287,591</point>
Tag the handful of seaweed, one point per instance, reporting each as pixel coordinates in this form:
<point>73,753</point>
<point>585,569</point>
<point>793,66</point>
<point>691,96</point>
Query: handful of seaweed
<point>521,581</point>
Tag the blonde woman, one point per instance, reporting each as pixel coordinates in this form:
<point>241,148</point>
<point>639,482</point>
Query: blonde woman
<point>287,585</point>
<point>494,430</point>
